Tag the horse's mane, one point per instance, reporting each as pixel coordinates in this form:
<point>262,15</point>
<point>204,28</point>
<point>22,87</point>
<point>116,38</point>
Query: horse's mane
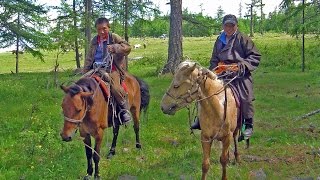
<point>83,84</point>
<point>204,71</point>
<point>186,64</point>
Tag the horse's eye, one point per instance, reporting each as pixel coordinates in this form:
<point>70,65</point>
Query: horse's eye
<point>176,86</point>
<point>78,110</point>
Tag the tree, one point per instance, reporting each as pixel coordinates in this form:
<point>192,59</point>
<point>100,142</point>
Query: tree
<point>76,42</point>
<point>253,15</point>
<point>261,5</point>
<point>126,12</point>
<point>250,7</point>
<point>88,22</point>
<point>66,31</point>
<point>219,17</point>
<point>175,37</point>
<point>21,23</point>
<point>240,10</point>
<point>197,25</point>
<point>220,14</point>
<point>307,12</point>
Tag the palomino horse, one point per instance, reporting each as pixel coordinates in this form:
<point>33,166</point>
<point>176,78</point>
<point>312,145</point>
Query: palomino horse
<point>84,107</point>
<point>217,109</point>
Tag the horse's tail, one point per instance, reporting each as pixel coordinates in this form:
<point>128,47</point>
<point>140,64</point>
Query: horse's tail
<point>145,96</point>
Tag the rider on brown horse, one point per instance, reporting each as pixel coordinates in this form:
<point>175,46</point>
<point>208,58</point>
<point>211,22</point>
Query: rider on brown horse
<point>107,51</point>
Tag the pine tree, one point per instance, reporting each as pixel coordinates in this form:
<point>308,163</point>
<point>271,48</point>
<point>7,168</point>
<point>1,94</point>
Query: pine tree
<point>22,23</point>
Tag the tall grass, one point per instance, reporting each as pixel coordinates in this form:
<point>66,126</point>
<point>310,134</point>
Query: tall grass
<point>284,148</point>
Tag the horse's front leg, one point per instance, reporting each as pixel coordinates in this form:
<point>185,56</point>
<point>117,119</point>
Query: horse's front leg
<point>87,142</point>
<point>224,158</point>
<point>112,150</point>
<point>206,148</point>
<point>96,154</point>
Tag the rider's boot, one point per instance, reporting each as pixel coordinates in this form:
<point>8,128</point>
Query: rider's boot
<point>196,124</point>
<point>248,131</point>
<point>125,115</point>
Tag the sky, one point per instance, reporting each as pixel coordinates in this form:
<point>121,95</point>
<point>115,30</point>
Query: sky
<point>210,7</point>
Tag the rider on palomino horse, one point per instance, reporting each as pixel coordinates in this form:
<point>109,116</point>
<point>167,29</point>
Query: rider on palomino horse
<point>104,48</point>
<point>236,53</point>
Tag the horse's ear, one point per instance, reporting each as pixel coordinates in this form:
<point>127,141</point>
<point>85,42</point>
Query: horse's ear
<point>194,66</point>
<point>191,69</point>
<point>86,94</point>
<point>64,88</point>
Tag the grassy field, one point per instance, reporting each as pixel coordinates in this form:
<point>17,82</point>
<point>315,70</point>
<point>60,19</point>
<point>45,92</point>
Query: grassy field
<point>282,147</point>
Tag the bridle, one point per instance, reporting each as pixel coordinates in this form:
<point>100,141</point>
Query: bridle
<point>78,121</point>
<point>190,92</point>
<point>187,95</point>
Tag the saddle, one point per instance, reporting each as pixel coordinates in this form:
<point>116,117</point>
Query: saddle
<point>222,67</point>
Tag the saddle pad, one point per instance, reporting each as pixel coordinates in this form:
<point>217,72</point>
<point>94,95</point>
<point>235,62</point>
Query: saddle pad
<point>235,94</point>
<point>238,103</point>
<point>103,86</point>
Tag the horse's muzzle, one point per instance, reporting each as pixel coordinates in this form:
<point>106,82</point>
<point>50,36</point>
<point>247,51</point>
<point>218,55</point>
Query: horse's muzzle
<point>65,138</point>
<point>170,110</point>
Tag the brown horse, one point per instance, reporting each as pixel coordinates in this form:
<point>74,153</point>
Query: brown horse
<point>85,108</point>
<point>217,109</point>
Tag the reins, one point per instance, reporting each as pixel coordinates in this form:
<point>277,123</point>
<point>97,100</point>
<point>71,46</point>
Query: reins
<point>89,147</point>
<point>219,91</point>
<point>190,94</point>
<point>225,84</point>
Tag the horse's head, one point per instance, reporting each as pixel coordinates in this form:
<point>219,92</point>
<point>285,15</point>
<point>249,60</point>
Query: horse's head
<point>74,107</point>
<point>183,89</point>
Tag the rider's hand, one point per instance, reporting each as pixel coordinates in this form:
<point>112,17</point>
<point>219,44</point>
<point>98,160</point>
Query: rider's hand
<point>111,49</point>
<point>242,69</point>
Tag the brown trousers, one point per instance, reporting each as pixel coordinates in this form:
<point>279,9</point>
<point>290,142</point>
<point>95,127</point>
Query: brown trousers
<point>247,109</point>
<point>116,89</point>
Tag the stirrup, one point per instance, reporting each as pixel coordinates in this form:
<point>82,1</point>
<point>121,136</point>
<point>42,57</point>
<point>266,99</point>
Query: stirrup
<point>124,116</point>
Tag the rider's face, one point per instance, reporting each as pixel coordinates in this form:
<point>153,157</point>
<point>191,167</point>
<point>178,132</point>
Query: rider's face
<point>103,30</point>
<point>230,29</point>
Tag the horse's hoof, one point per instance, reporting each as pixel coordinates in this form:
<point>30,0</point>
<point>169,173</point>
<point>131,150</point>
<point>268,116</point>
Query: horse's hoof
<point>87,177</point>
<point>97,177</point>
<point>138,145</point>
<point>111,154</point>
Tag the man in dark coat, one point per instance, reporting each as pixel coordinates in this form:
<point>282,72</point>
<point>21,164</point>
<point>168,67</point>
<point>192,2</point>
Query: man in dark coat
<point>233,47</point>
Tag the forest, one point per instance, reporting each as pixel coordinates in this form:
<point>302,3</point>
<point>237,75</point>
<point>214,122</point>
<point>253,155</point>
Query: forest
<point>48,51</point>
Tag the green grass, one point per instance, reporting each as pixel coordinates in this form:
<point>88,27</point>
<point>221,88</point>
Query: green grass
<point>31,119</point>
